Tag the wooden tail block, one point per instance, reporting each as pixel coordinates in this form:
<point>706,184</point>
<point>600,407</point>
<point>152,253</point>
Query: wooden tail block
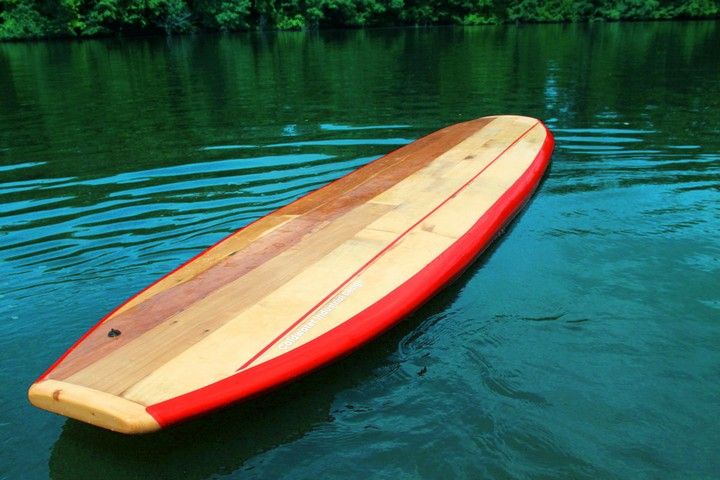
<point>92,406</point>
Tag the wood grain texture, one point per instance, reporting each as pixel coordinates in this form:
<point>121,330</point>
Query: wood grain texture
<point>260,241</point>
<point>302,270</point>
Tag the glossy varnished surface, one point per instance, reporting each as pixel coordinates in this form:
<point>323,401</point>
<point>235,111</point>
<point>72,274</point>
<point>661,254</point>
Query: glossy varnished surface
<point>299,272</point>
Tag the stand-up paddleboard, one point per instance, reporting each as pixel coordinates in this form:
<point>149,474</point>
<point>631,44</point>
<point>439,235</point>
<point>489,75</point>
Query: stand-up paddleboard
<point>304,285</point>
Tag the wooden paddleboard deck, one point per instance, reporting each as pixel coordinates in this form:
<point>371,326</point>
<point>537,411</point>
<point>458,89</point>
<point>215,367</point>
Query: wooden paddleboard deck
<point>303,285</point>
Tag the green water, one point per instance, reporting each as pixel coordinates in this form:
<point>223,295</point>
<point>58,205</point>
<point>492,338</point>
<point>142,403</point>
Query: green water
<point>584,344</point>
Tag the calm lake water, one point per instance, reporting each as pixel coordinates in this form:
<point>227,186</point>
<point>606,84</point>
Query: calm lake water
<point>584,344</point>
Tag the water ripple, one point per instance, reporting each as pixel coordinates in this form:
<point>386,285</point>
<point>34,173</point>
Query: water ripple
<point>228,147</point>
<point>346,142</point>
<point>17,166</point>
<point>332,127</point>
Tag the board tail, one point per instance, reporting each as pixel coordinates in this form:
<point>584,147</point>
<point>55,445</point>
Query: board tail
<point>92,406</point>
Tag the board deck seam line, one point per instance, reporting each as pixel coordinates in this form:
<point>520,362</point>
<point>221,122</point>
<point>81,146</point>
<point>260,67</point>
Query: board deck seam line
<point>383,251</point>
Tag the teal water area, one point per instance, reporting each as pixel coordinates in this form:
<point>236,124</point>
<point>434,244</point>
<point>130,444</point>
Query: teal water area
<point>585,344</point>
